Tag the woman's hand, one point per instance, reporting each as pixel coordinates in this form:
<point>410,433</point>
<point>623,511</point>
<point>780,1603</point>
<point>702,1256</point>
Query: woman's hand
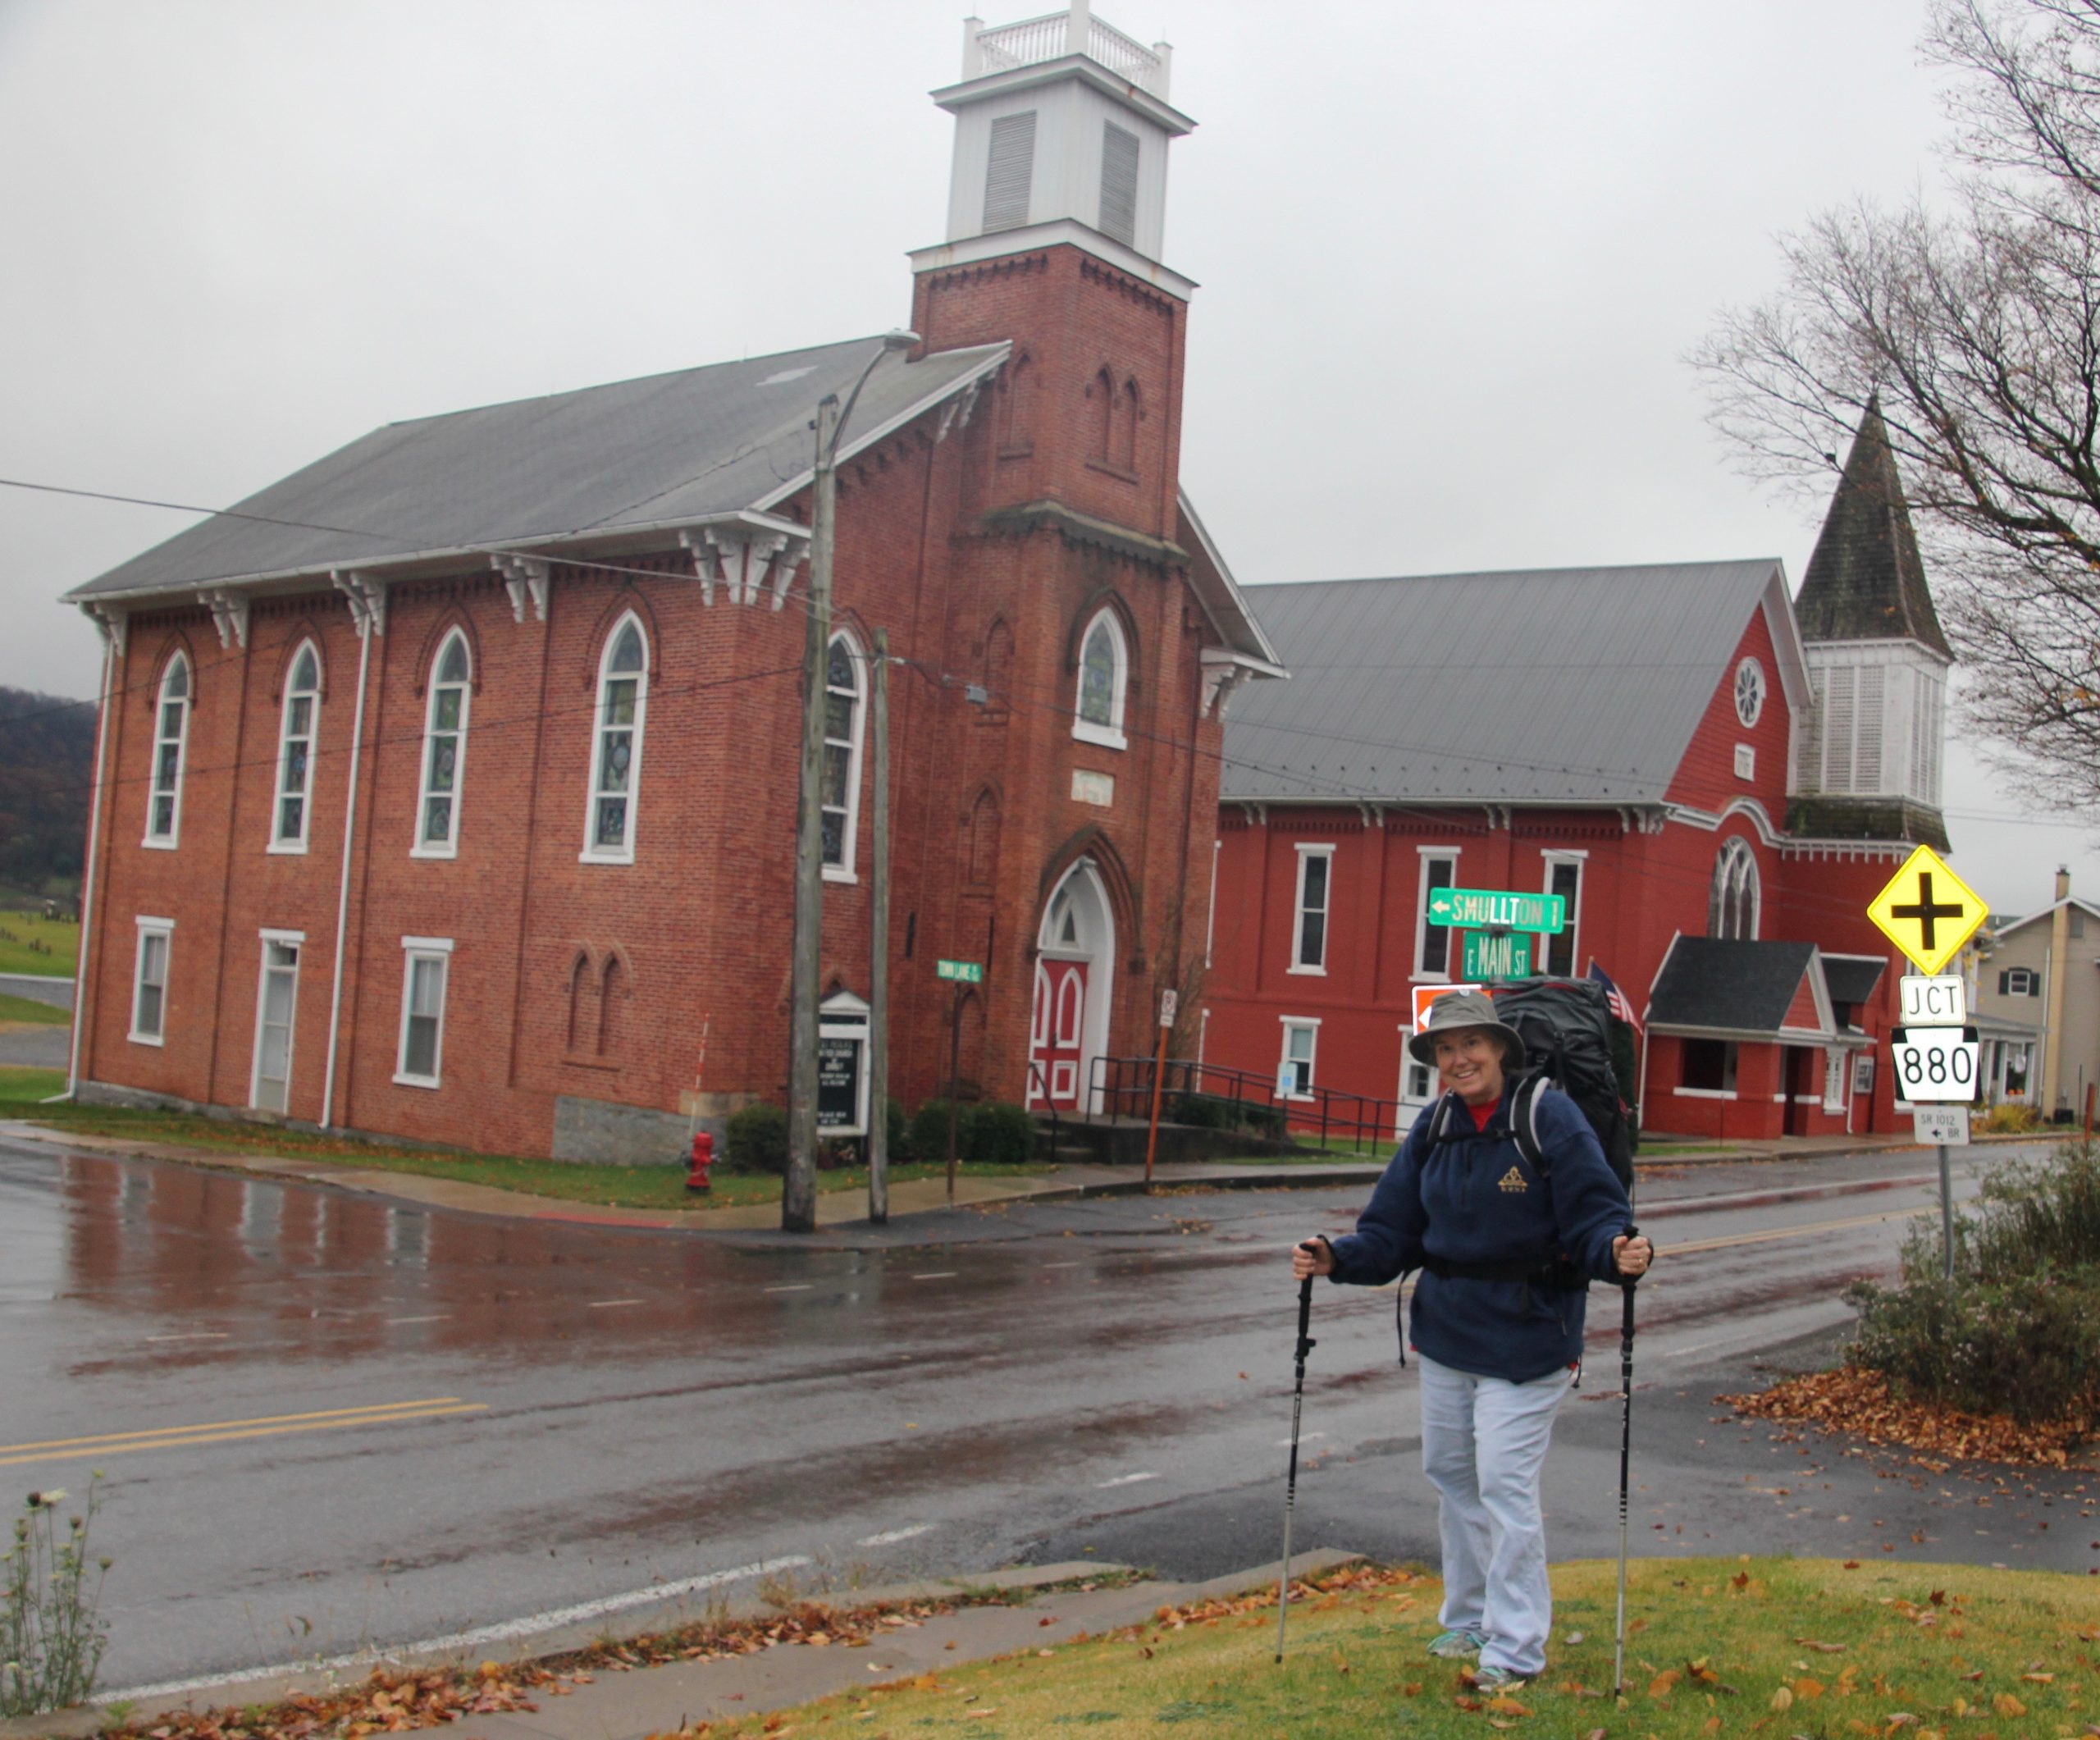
<point>1314,1257</point>
<point>1632,1256</point>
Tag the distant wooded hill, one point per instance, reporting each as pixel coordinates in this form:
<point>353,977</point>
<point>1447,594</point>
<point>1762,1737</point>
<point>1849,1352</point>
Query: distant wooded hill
<point>46,766</point>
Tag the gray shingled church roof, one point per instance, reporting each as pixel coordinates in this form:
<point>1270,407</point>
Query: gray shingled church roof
<point>1731,984</point>
<point>1572,685</point>
<point>664,450</point>
<point>1866,580</point>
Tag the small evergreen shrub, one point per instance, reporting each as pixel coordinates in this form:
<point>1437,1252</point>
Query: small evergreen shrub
<point>756,1141</point>
<point>929,1131</point>
<point>1000,1133</point>
<point>1199,1111</point>
<point>2018,1332</point>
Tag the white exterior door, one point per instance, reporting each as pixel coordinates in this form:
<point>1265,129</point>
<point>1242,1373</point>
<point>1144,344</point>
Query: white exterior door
<point>277,1005</point>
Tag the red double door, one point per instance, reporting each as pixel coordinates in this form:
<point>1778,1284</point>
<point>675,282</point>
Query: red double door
<point>1059,1018</point>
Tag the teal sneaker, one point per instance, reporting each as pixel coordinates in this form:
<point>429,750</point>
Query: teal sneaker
<point>1500,1679</point>
<point>1457,1645</point>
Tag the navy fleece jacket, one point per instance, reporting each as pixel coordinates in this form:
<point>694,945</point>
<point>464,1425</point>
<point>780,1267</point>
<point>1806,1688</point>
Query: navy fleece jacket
<point>1472,1198</point>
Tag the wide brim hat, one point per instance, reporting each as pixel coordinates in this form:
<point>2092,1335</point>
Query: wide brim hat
<point>1457,1009</point>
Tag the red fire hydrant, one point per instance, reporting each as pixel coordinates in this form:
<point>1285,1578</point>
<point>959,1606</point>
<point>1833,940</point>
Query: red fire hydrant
<point>703,1157</point>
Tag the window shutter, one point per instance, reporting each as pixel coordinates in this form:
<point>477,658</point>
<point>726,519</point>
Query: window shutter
<point>1010,172</point>
<point>1866,763</point>
<point>2005,981</point>
<point>1119,183</point>
<point>1837,732</point>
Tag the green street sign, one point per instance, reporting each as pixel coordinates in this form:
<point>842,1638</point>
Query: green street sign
<point>1498,909</point>
<point>1490,956</point>
<point>968,972</point>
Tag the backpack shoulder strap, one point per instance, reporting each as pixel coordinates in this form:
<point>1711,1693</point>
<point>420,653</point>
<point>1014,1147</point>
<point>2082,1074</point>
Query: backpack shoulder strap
<point>1439,1121</point>
<point>1524,1121</point>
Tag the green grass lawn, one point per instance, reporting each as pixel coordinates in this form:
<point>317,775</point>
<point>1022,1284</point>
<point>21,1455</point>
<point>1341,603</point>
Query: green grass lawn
<point>28,1010</point>
<point>1715,1646</point>
<point>21,1089</point>
<point>604,1186</point>
<point>35,944</point>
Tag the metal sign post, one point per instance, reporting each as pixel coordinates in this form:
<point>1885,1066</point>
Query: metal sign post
<point>1928,912</point>
<point>1170,1001</point>
<point>962,973</point>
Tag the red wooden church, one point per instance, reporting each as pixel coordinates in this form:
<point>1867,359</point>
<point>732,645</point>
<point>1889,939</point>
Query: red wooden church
<point>447,786</point>
<point>1715,777</point>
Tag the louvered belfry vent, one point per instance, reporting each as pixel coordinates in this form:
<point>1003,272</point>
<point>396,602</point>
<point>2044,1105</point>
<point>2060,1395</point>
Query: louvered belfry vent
<point>1010,172</point>
<point>1119,183</point>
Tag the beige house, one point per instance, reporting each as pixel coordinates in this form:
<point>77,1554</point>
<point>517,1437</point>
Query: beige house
<point>2038,1006</point>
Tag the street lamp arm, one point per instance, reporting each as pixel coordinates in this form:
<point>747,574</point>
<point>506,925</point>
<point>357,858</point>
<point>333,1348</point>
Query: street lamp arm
<point>892,342</point>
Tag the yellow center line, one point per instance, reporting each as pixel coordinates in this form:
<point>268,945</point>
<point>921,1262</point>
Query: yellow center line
<point>220,1426</point>
<point>1791,1232</point>
<point>148,1442</point>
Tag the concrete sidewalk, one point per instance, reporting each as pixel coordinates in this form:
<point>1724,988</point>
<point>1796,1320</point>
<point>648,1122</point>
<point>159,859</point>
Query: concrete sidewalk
<point>837,1210</point>
<point>1047,1606</point>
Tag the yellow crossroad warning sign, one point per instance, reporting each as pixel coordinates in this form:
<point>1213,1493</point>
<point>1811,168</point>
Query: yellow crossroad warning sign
<point>1927,910</point>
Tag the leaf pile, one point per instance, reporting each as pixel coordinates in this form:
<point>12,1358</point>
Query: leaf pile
<point>1863,1404</point>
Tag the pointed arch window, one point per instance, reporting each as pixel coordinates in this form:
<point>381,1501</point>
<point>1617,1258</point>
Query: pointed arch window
<point>444,750</point>
<point>1125,452</point>
<point>1732,897</point>
<point>616,746</point>
<point>292,812</point>
<point>843,718</point>
<point>1104,680</point>
<point>1104,430</point>
<point>171,738</point>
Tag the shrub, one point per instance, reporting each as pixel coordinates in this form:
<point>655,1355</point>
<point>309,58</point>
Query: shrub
<point>2011,1117</point>
<point>1000,1133</point>
<point>756,1141</point>
<point>928,1135</point>
<point>1200,1111</point>
<point>2019,1331</point>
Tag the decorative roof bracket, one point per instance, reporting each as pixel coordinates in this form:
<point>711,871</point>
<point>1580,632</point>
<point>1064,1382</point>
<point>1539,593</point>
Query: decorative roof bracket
<point>524,578</point>
<point>111,622</point>
<point>229,611</point>
<point>366,598</point>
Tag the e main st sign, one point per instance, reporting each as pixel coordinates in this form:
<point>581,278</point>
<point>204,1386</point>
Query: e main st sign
<point>1500,924</point>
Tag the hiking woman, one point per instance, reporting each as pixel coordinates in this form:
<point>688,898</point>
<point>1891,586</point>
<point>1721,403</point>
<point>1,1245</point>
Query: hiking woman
<point>1506,1250</point>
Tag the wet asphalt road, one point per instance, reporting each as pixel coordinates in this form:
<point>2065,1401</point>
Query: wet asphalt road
<point>327,1421</point>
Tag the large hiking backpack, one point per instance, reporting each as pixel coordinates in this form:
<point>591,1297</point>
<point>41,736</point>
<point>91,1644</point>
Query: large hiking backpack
<point>1566,1025</point>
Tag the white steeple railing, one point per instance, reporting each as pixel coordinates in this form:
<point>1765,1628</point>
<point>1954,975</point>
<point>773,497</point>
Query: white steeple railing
<point>1076,30</point>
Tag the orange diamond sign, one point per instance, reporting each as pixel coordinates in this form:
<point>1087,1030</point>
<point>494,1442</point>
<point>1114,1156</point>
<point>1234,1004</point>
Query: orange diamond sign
<point>1927,910</point>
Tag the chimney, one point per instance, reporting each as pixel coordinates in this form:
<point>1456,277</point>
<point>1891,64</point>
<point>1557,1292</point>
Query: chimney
<point>2063,882</point>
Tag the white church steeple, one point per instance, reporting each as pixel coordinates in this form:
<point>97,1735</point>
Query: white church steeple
<point>1062,127</point>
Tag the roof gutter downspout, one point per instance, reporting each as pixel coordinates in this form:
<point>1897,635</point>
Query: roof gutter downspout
<point>94,844</point>
<point>367,604</point>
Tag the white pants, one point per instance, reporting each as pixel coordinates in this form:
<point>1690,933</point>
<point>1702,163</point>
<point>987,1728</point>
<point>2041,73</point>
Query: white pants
<point>1483,1445</point>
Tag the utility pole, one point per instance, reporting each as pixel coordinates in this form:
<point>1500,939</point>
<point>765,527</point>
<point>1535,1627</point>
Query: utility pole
<point>878,952</point>
<point>798,1192</point>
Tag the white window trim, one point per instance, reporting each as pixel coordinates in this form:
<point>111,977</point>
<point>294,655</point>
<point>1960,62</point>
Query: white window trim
<point>160,927</point>
<point>1317,968</point>
<point>1109,736</point>
<point>448,847</point>
<point>1422,975</point>
<point>624,853</point>
<point>167,842</point>
<point>1745,761</point>
<point>1573,931</point>
<point>1704,1093</point>
<point>1837,1067</point>
<point>1312,1062</point>
<point>843,870</point>
<point>412,950</point>
<point>278,794</point>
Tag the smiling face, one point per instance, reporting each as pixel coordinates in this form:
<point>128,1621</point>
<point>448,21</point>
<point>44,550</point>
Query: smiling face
<point>1470,1061</point>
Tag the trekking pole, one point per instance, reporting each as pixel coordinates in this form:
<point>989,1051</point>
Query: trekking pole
<point>1625,1458</point>
<point>1290,1485</point>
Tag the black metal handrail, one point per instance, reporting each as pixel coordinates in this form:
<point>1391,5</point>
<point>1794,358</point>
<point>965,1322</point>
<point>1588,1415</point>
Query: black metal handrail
<point>1042,1087</point>
<point>1122,1086</point>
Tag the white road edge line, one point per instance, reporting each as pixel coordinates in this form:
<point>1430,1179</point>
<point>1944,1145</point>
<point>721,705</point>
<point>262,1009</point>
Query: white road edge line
<point>1127,1480</point>
<point>1076,1264</point>
<point>890,1536</point>
<point>195,1335</point>
<point>582,1613</point>
<point>793,1287</point>
<point>435,1317</point>
<point>607,1305</point>
<point>938,1275</point>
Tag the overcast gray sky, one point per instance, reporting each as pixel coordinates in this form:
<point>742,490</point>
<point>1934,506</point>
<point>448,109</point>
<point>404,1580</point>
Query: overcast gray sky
<point>1451,255</point>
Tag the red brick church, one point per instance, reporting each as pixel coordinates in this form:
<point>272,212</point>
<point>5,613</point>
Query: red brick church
<point>447,788</point>
<point>1715,776</point>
